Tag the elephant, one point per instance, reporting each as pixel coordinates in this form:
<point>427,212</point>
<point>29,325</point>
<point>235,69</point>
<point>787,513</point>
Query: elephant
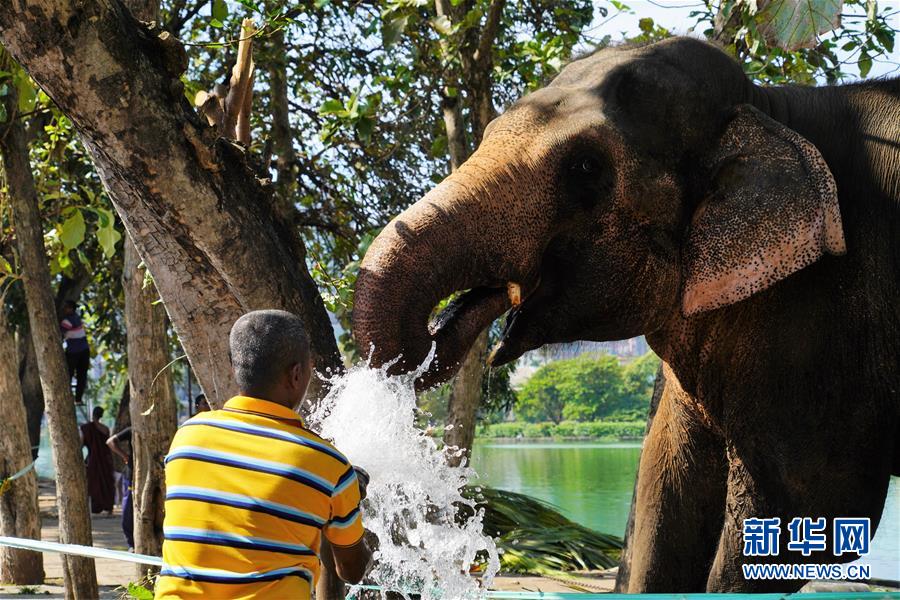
<point>751,234</point>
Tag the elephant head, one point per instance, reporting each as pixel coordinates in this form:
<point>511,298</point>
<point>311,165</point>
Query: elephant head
<point>641,183</point>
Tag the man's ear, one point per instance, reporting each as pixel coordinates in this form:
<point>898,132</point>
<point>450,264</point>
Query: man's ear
<point>771,209</point>
<point>297,373</point>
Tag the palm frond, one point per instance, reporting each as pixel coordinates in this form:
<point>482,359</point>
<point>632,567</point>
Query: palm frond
<point>536,537</point>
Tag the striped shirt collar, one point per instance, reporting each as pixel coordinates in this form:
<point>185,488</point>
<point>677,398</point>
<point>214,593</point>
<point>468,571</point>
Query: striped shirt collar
<point>263,407</point>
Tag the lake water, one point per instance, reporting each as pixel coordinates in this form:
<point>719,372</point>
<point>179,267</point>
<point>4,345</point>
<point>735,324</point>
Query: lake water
<point>592,484</point>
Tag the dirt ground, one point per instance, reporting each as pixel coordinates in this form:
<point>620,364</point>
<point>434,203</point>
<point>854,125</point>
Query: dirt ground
<point>107,532</point>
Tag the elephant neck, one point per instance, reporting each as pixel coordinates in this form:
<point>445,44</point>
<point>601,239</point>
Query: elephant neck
<point>856,127</point>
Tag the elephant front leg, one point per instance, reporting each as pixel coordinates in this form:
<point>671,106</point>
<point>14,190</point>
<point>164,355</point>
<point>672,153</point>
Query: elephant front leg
<point>680,498</point>
<point>782,484</point>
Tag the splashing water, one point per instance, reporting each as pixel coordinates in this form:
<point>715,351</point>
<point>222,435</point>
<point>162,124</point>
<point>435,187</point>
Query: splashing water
<point>412,494</point>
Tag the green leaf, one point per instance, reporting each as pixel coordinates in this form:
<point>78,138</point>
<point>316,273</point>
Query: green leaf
<point>885,37</point>
<point>331,107</point>
<point>646,24</point>
<point>139,592</point>
<point>353,109</point>
<point>392,29</point>
<point>864,63</point>
<point>217,23</point>
<point>108,238</point>
<point>219,10</point>
<point>27,93</point>
<point>364,128</point>
<point>5,267</point>
<point>71,232</point>
<point>795,24</point>
<point>107,235</point>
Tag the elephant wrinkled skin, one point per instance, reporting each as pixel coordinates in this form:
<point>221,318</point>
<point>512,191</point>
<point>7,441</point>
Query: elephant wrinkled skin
<point>751,234</point>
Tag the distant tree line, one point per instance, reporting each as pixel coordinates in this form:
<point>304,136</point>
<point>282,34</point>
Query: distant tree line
<point>590,387</point>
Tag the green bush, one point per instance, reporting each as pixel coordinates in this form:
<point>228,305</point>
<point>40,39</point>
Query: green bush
<point>538,430</point>
<point>502,430</point>
<point>566,429</point>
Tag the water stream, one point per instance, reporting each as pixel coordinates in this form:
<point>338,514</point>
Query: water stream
<point>413,491</point>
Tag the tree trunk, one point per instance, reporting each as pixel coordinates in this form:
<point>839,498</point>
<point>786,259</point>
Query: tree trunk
<point>203,223</point>
<point>152,404</point>
<point>71,485</point>
<point>282,133</point>
<point>30,382</point>
<point>19,513</point>
<point>465,397</point>
<point>476,58</point>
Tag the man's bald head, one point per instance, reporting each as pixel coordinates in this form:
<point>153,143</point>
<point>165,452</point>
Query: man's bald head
<point>265,345</point>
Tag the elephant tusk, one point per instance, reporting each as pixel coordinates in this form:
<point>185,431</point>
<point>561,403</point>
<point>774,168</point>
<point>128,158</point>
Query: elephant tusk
<point>514,291</point>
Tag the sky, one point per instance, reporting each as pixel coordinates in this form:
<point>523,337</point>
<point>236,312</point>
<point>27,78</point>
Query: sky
<point>675,16</point>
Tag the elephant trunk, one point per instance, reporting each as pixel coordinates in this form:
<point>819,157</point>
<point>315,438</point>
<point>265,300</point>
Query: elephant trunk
<point>435,248</point>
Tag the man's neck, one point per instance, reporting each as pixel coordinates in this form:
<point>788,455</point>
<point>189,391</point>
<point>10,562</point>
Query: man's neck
<point>270,397</point>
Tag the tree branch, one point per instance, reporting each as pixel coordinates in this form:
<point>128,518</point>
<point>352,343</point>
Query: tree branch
<point>483,54</point>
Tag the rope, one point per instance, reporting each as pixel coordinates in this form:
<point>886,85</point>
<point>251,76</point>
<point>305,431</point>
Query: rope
<point>89,551</point>
<point>5,483</point>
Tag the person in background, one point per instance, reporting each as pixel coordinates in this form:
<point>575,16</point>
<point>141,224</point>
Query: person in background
<point>250,491</point>
<point>78,353</point>
<point>100,479</point>
<point>127,501</point>
<point>200,404</point>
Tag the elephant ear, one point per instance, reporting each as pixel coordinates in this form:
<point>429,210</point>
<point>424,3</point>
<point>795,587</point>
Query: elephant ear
<point>770,210</point>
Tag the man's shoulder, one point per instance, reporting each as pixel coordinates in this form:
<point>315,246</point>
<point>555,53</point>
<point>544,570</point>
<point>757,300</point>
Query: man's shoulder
<point>320,440</point>
<point>266,427</point>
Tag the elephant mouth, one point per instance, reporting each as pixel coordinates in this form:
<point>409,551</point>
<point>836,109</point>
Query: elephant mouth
<point>467,315</point>
<point>502,352</point>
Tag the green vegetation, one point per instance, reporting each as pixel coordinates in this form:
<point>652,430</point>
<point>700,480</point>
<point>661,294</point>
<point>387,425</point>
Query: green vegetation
<point>592,396</point>
<point>595,430</point>
<point>138,591</point>
<point>588,388</point>
<point>534,537</point>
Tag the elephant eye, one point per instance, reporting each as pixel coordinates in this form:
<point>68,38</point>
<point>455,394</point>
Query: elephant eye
<point>584,166</point>
<point>587,177</point>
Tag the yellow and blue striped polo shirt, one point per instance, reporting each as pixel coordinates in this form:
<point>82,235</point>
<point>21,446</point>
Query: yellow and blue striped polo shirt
<point>249,491</point>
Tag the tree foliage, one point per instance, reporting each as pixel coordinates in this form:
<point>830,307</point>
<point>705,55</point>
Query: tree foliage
<point>588,388</point>
<point>360,88</point>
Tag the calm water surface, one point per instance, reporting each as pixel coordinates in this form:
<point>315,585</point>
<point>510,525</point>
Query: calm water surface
<point>592,484</point>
